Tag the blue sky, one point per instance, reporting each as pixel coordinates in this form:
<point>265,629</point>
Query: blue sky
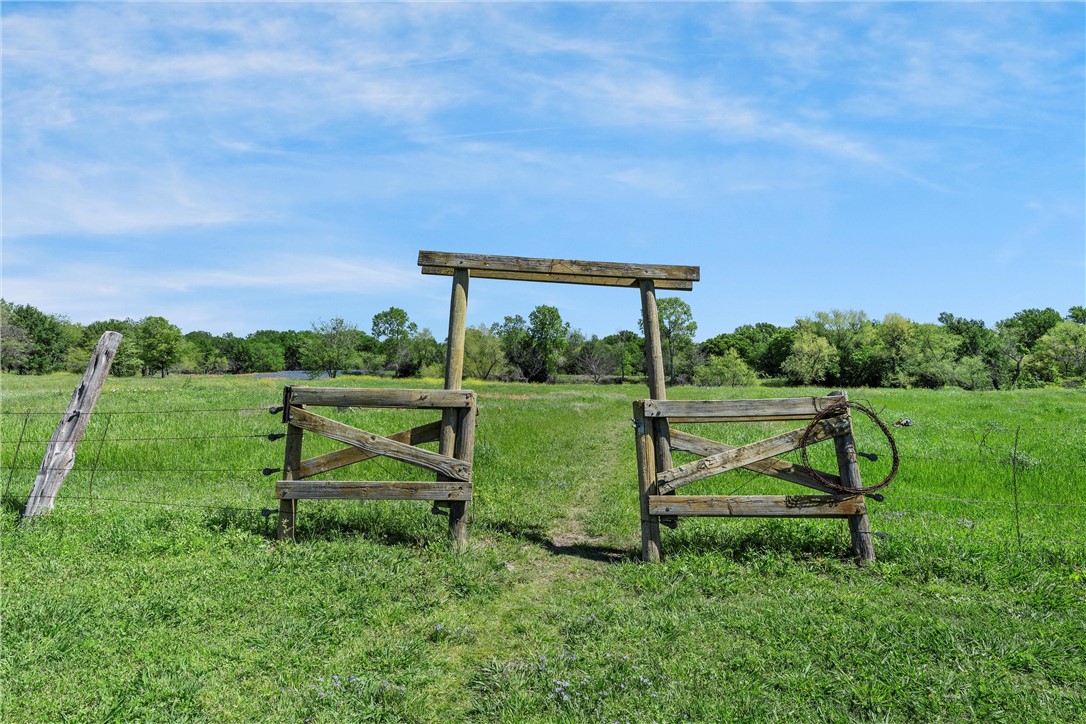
<point>247,166</point>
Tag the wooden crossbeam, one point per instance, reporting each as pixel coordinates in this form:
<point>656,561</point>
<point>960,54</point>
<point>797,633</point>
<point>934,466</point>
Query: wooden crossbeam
<point>355,397</point>
<point>378,490</point>
<point>668,284</point>
<point>771,506</point>
<point>549,270</point>
<point>787,408</point>
<point>369,442</point>
<point>350,455</point>
<point>739,457</point>
<point>773,467</point>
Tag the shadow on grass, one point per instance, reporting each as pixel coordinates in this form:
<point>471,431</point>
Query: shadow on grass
<point>561,545</point>
<point>744,542</point>
<point>12,504</point>
<point>391,524</point>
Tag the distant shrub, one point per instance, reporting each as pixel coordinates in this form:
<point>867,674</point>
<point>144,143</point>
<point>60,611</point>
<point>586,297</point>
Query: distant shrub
<point>725,370</point>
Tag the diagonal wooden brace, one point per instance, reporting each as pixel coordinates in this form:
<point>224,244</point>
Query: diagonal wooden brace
<point>771,466</point>
<point>369,442</point>
<point>350,455</point>
<point>740,457</point>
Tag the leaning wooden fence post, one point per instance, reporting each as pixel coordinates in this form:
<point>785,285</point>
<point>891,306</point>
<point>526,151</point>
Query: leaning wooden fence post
<point>858,525</point>
<point>60,454</point>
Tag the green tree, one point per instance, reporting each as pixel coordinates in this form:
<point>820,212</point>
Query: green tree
<point>126,362</point>
<point>752,342</point>
<point>422,351</point>
<point>972,373</point>
<point>725,370</point>
<point>39,340</point>
<point>15,343</point>
<point>207,352</point>
<point>160,344</point>
<point>513,334</point>
<point>1065,345</point>
<point>1076,314</point>
<point>535,347</point>
<point>484,358</point>
<point>812,359</point>
<point>776,352</point>
<point>975,339</point>
<point>896,335</point>
<point>677,329</point>
<point>548,338</point>
<point>852,335</point>
<point>332,347</point>
<point>1030,325</point>
<point>934,356</point>
<point>629,350</point>
<point>394,330</point>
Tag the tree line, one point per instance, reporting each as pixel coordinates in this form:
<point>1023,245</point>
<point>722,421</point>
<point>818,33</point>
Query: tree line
<point>845,348</point>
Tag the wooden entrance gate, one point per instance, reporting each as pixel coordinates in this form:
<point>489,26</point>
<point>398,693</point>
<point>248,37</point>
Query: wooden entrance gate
<point>658,483</point>
<point>456,432</point>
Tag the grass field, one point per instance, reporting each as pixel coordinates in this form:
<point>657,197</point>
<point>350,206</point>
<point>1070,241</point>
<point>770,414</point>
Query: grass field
<point>183,607</point>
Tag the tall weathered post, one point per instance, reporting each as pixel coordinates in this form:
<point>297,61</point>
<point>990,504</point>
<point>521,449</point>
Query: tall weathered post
<point>60,454</point>
<point>451,420</point>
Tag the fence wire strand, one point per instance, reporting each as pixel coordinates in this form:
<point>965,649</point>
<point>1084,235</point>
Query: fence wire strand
<point>98,469</point>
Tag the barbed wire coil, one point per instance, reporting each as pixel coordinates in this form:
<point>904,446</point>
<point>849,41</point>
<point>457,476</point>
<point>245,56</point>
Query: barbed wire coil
<point>842,408</point>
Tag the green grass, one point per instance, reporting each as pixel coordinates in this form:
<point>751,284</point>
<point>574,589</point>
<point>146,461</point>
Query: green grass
<point>117,610</point>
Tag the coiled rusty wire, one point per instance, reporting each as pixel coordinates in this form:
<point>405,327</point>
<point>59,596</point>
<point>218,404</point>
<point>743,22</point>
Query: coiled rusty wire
<point>841,408</point>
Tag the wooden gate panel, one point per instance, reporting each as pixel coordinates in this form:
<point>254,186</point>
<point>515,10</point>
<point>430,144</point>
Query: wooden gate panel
<point>657,486</point>
<point>453,486</point>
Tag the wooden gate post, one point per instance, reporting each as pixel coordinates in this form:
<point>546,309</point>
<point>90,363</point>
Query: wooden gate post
<point>59,456</point>
<point>858,525</point>
<point>452,420</point>
<point>292,460</point>
<point>654,356</point>
<point>646,475</point>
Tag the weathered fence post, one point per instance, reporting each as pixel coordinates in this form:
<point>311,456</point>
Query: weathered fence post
<point>60,454</point>
<point>451,422</point>
<point>858,525</point>
<point>292,460</point>
<point>646,474</point>
<point>654,354</point>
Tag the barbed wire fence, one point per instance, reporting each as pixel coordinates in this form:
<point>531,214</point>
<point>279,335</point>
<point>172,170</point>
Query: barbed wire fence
<point>1034,498</point>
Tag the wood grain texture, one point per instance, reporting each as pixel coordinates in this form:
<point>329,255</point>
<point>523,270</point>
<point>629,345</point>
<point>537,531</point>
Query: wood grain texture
<point>350,455</point>
<point>292,462</point>
<point>740,457</point>
<point>773,467</point>
<point>569,267</point>
<point>646,476</point>
<point>598,281</point>
<point>59,458</point>
<point>788,408</point>
<point>381,397</point>
<point>371,490</point>
<point>442,464</point>
<point>758,506</point>
<point>859,526</point>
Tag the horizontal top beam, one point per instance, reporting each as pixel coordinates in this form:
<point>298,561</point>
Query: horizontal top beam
<point>566,271</point>
<point>668,284</point>
<point>788,408</point>
<point>381,397</point>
